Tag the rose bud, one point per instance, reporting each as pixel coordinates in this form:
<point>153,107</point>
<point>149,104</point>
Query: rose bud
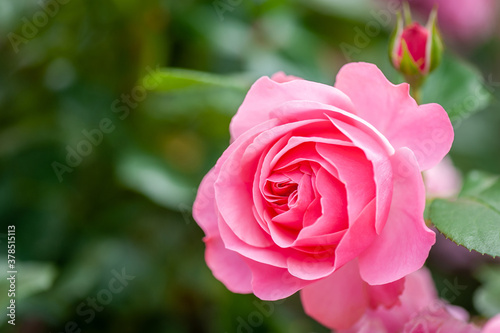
<point>415,50</point>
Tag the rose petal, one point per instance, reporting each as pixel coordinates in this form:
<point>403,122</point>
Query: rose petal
<point>334,206</point>
<point>339,300</point>
<point>355,171</point>
<point>427,132</point>
<point>386,295</point>
<point>443,180</point>
<point>438,319</point>
<point>310,266</point>
<point>294,110</point>
<point>262,215</point>
<point>204,209</point>
<point>404,244</point>
<point>319,244</point>
<point>458,312</point>
<point>271,283</point>
<point>281,77</point>
<point>419,290</point>
<point>360,234</point>
<point>306,151</point>
<point>228,266</point>
<point>333,221</point>
<point>284,236</point>
<point>271,94</point>
<point>493,325</point>
<point>367,326</point>
<point>271,255</point>
<point>425,129</point>
<point>377,154</point>
<point>419,293</point>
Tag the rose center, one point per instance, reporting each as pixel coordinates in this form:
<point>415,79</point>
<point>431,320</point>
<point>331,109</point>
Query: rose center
<point>281,194</point>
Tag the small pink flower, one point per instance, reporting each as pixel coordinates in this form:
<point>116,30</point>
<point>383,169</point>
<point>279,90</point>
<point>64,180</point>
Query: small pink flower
<point>443,180</point>
<point>419,311</point>
<point>341,299</point>
<point>493,325</point>
<point>438,319</point>
<point>414,49</point>
<point>320,184</point>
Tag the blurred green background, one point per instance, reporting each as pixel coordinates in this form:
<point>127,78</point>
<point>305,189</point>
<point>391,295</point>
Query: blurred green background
<point>121,202</point>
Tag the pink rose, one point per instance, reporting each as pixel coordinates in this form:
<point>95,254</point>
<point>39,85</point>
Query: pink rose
<point>419,310</point>
<point>317,178</point>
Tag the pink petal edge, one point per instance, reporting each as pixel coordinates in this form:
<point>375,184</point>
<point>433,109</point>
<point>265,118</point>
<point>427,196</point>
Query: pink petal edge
<point>405,242</point>
<point>425,129</point>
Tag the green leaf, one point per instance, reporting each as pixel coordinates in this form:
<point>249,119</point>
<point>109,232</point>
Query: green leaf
<point>436,42</point>
<point>194,100</point>
<point>171,79</point>
<point>478,182</point>
<point>458,87</point>
<point>150,177</point>
<point>487,297</point>
<point>395,39</point>
<point>32,278</point>
<point>354,9</point>
<point>407,13</point>
<point>180,91</point>
<point>473,219</point>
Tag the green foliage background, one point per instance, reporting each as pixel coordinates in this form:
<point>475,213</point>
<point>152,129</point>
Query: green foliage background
<point>126,205</point>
